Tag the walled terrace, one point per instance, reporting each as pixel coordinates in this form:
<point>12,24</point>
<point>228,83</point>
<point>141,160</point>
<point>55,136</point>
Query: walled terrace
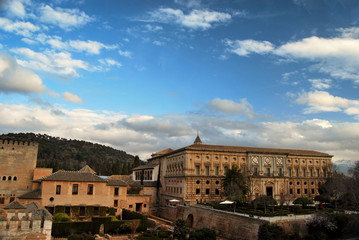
<point>230,225</point>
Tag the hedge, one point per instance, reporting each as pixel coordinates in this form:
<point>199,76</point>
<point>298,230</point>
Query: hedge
<point>130,215</point>
<point>60,229</point>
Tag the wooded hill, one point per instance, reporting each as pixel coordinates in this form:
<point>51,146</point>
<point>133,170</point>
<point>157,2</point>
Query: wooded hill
<point>60,153</point>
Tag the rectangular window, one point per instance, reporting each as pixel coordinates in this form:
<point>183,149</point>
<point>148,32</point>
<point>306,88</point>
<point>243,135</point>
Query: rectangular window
<point>68,211</point>
<point>255,171</point>
<point>130,206</point>
<point>268,172</point>
<point>207,191</point>
<point>82,211</point>
<point>312,191</point>
<point>304,172</point>
<point>243,171</point>
<point>75,189</point>
<point>289,172</point>
<point>198,191</point>
<point>311,172</point>
<point>58,189</point>
<point>318,173</point>
<point>216,170</point>
<point>225,169</point>
<point>115,203</point>
<point>296,172</point>
<point>305,191</point>
<point>298,191</point>
<point>290,191</point>
<point>280,172</point>
<point>96,211</point>
<point>115,191</point>
<point>90,189</point>
<point>197,170</point>
<point>2,200</point>
<point>325,172</point>
<point>207,170</point>
<point>217,191</point>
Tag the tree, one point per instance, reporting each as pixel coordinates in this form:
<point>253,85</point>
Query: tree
<point>264,201</point>
<point>136,161</point>
<point>303,201</point>
<point>234,185</point>
<point>354,181</point>
<point>181,230</point>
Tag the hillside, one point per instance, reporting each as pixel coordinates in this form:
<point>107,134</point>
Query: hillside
<point>60,153</point>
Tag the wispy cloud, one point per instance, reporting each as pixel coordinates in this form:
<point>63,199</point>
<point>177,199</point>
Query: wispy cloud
<point>70,97</point>
<point>18,27</point>
<point>242,108</point>
<point>196,19</point>
<point>246,47</point>
<point>322,101</point>
<point>50,61</point>
<point>66,19</point>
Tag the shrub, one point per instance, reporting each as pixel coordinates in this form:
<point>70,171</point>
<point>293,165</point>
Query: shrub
<point>181,229</point>
<point>303,201</point>
<point>271,232</point>
<point>203,234</point>
<point>83,236</point>
<point>61,217</point>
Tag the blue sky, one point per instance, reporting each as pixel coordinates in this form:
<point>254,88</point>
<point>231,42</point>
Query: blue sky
<point>142,76</point>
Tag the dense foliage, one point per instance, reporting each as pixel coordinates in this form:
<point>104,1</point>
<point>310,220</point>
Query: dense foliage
<point>234,185</point>
<point>341,190</point>
<point>271,232</point>
<point>181,230</point>
<point>303,201</point>
<point>203,234</point>
<point>60,153</point>
<point>61,217</point>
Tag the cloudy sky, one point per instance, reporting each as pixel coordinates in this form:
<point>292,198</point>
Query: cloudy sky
<point>144,75</point>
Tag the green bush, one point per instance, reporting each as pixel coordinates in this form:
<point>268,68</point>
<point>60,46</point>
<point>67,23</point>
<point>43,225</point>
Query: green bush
<point>112,211</point>
<point>203,234</point>
<point>271,232</point>
<point>61,217</point>
<point>303,201</point>
<point>59,209</point>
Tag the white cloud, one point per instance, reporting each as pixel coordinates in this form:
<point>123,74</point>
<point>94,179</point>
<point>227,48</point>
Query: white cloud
<point>15,78</point>
<point>50,61</point>
<point>352,32</point>
<point>19,27</point>
<point>318,122</point>
<point>196,19</point>
<point>89,46</point>
<point>321,101</point>
<point>66,19</point>
<point>243,108</point>
<point>16,8</point>
<point>153,28</point>
<point>321,84</point>
<point>70,97</point>
<point>158,43</point>
<point>246,47</point>
<point>107,63</point>
<point>125,53</point>
<point>143,134</point>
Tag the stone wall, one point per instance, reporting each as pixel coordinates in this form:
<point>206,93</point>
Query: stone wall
<point>17,164</point>
<point>226,224</point>
<point>231,225</point>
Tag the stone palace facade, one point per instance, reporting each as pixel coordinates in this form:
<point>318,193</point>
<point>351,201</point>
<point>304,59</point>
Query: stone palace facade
<point>193,173</point>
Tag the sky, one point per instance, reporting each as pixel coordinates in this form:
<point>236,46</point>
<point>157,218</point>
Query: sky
<point>145,75</point>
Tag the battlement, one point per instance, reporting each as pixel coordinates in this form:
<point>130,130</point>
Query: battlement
<point>12,143</point>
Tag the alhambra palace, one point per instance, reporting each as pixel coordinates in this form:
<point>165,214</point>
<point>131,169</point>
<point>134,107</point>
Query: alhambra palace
<point>29,196</point>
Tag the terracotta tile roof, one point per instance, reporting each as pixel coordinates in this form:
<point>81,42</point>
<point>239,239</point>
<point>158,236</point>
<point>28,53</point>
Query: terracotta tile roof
<point>239,149</point>
<point>34,194</point>
<point>168,150</point>
<point>73,176</point>
<point>146,166</point>
<point>87,169</point>
<point>116,182</point>
<point>14,205</point>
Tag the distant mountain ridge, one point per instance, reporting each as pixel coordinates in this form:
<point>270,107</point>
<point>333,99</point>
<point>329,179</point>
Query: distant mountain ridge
<point>60,153</point>
<point>343,166</point>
